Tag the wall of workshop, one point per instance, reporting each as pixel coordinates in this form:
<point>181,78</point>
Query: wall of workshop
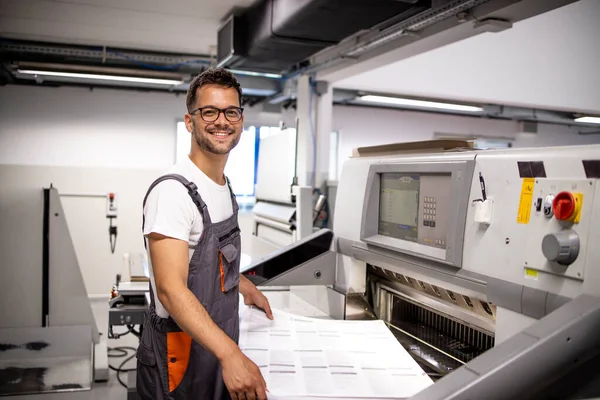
<point>100,128</point>
<point>362,126</point>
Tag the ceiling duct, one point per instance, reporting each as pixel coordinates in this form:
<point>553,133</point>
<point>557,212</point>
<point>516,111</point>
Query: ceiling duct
<point>274,35</point>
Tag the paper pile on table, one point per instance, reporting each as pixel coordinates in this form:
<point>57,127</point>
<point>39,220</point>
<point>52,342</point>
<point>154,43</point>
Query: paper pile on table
<point>310,357</point>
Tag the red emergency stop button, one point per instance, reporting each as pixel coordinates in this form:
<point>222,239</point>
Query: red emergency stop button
<point>564,206</point>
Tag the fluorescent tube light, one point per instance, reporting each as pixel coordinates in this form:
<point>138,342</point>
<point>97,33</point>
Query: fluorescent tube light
<point>419,103</point>
<point>588,120</point>
<point>134,79</point>
<point>253,73</point>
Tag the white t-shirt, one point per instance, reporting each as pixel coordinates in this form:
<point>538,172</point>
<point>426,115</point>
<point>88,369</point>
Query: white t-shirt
<point>170,211</point>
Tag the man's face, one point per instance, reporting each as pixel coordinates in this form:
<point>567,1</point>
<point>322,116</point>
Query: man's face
<point>216,136</point>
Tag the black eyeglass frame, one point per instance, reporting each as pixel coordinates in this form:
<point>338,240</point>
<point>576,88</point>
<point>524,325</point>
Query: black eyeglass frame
<point>219,111</point>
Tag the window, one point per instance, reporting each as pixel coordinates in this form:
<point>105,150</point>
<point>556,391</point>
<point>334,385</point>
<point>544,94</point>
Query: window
<point>241,164</point>
<point>266,131</point>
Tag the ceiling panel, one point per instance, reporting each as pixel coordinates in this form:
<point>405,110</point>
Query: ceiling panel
<point>197,8</point>
<point>549,62</point>
<point>188,26</point>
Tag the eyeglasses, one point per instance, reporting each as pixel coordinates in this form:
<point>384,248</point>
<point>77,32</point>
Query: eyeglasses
<point>211,114</point>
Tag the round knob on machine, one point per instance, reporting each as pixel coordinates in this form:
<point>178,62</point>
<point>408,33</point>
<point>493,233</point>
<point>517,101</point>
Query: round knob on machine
<point>563,206</point>
<point>562,247</point>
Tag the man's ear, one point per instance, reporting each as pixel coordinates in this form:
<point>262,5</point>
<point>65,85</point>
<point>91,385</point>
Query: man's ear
<point>189,123</point>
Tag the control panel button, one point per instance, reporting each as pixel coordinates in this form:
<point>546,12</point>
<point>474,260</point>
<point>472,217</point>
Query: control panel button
<point>566,206</point>
<point>561,247</point>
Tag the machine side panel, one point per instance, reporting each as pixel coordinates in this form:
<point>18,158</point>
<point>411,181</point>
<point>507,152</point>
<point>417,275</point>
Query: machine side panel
<point>346,224</point>
<point>591,284</point>
<point>318,271</point>
<point>443,388</point>
<point>21,246</point>
<point>69,303</point>
<point>344,246</point>
<point>350,198</point>
<point>505,294</point>
<point>295,256</point>
<point>554,302</point>
<point>534,302</point>
<point>509,246</point>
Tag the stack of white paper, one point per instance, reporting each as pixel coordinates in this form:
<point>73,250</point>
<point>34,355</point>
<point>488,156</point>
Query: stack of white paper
<point>309,357</point>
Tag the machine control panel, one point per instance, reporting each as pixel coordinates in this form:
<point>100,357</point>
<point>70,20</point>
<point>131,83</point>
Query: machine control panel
<point>556,238</point>
<point>414,207</point>
<point>418,208</point>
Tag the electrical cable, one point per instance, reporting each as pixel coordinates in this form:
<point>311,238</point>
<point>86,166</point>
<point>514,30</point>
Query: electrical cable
<point>112,236</point>
<point>123,352</point>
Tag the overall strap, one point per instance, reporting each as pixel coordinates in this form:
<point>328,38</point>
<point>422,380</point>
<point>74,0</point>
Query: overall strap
<point>192,190</point>
<point>234,203</point>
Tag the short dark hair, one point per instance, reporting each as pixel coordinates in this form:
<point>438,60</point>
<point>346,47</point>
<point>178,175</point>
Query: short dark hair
<point>213,76</point>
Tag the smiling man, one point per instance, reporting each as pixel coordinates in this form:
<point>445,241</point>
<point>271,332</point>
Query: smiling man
<point>188,348</point>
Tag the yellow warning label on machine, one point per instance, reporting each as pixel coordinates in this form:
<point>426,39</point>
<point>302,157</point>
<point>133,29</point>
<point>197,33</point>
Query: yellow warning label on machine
<point>531,273</point>
<point>525,201</point>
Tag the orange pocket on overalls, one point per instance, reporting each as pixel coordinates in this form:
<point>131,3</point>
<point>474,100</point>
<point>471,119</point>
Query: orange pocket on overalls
<point>179,346</point>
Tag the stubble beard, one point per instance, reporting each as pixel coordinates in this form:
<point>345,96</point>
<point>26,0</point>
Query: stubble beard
<point>204,142</point>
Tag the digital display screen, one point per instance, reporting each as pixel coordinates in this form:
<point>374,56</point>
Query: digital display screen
<point>289,259</point>
<point>399,206</point>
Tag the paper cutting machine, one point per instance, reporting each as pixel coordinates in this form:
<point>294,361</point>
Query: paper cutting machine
<point>484,264</point>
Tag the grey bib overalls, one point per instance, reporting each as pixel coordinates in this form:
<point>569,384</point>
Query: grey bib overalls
<point>170,364</point>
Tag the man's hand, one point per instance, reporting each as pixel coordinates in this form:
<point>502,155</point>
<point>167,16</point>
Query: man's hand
<point>254,297</point>
<point>258,299</point>
<point>242,377</point>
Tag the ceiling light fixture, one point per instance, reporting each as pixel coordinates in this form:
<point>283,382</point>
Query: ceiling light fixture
<point>588,120</point>
<point>254,73</point>
<point>133,79</point>
<point>419,103</point>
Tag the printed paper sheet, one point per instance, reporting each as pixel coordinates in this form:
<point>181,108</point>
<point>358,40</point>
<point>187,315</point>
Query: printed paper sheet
<point>310,357</point>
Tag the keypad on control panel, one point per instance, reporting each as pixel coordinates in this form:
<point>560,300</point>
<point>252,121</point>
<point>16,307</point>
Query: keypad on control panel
<point>429,211</point>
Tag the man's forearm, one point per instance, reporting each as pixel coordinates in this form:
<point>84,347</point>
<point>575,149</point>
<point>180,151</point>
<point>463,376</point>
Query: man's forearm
<point>193,319</point>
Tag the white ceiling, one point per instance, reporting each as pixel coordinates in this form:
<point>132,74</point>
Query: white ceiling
<point>183,26</point>
<point>549,61</point>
